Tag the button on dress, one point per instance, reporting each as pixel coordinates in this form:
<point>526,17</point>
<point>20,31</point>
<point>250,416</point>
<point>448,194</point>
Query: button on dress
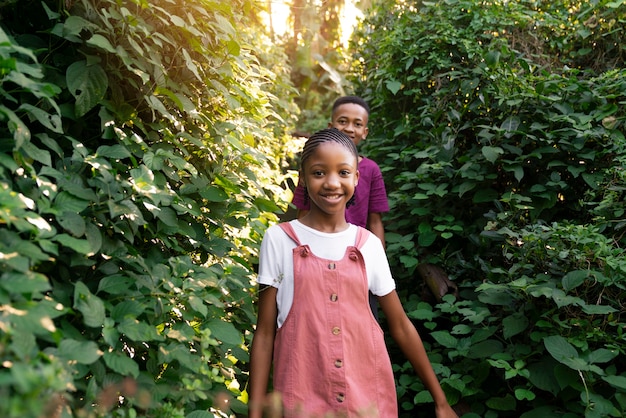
<point>330,353</point>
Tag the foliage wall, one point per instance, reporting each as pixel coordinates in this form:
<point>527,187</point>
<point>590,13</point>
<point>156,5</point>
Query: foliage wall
<point>499,127</point>
<point>141,158</point>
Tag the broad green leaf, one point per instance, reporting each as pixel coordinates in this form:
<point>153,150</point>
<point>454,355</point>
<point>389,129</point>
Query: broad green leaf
<point>81,246</point>
<point>121,363</point>
<point>27,282</point>
<point>23,343</point>
<point>73,223</point>
<point>139,331</point>
<point>506,403</point>
<point>510,124</point>
<point>94,237</point>
<point>514,324</point>
<point>393,86</point>
<point>225,332</point>
<point>116,284</point>
<point>445,339</point>
<point>485,349</point>
<point>88,84</point>
<point>598,309</point>
<point>574,278</point>
<point>616,381</point>
<point>485,195</point>
<point>101,42</point>
<point>492,153</point>
<point>524,394</point>
<point>50,121</point>
<point>21,133</point>
<point>492,58</point>
<point>84,352</point>
<point>115,152</point>
<point>65,201</point>
<point>126,309</point>
<point>89,305</point>
<point>602,355</point>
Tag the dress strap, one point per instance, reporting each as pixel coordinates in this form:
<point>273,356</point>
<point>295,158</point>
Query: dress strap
<point>361,236</point>
<point>286,226</point>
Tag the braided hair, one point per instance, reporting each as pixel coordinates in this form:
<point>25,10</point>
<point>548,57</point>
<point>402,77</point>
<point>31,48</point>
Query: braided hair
<point>323,136</point>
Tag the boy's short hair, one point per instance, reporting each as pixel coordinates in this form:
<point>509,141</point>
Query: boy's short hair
<point>351,99</point>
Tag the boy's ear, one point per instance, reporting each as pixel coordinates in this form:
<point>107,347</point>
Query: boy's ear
<point>330,124</point>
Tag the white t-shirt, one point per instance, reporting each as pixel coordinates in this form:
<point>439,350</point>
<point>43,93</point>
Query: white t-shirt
<point>276,260</point>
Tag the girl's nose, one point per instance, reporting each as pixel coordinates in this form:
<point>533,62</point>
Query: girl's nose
<point>332,181</point>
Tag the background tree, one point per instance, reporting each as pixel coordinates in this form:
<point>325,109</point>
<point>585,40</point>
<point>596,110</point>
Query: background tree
<point>499,130</point>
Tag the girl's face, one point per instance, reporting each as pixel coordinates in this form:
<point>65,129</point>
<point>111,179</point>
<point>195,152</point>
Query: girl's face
<point>330,175</point>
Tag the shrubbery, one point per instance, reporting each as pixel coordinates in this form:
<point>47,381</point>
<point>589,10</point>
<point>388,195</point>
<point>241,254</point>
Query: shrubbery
<point>139,167</point>
<point>500,133</point>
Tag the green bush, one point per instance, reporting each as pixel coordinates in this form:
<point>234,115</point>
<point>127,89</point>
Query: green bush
<point>501,138</point>
<point>139,167</point>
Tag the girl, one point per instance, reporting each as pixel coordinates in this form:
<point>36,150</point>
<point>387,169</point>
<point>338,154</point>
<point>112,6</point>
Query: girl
<point>314,321</point>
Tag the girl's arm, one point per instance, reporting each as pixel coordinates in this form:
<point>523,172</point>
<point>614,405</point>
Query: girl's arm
<point>409,341</point>
<point>261,352</point>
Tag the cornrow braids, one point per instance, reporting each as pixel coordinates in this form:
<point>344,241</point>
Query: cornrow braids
<point>353,100</point>
<point>326,135</point>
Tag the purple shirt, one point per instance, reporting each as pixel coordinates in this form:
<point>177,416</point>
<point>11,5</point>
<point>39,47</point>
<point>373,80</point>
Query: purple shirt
<point>370,194</point>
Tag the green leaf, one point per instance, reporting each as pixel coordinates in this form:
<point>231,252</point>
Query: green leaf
<point>73,223</point>
<point>514,324</point>
<point>492,153</point>
<point>115,284</point>
<point>139,331</point>
<point>618,382</point>
<point>50,121</point>
<point>574,278</point>
<point>506,403</point>
<point>116,152</point>
<point>65,201</point>
<point>598,309</point>
<point>88,84</point>
<point>121,363</point>
<point>21,133</point>
<point>393,86</point>
<point>101,42</point>
<point>484,195</point>
<point>445,339</point>
<point>225,332</point>
<point>84,352</point>
<point>89,305</point>
<point>214,194</point>
<point>81,246</point>
<point>27,282</point>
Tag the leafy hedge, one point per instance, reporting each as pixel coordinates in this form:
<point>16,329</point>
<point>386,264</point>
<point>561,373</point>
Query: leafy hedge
<point>140,161</point>
<point>499,127</point>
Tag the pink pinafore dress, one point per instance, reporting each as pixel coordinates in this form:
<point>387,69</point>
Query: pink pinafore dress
<point>330,354</point>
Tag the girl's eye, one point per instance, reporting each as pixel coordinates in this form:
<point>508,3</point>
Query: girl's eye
<point>345,173</point>
<point>318,173</point>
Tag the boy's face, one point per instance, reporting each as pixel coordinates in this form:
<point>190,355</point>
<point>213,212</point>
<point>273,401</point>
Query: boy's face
<point>351,119</point>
